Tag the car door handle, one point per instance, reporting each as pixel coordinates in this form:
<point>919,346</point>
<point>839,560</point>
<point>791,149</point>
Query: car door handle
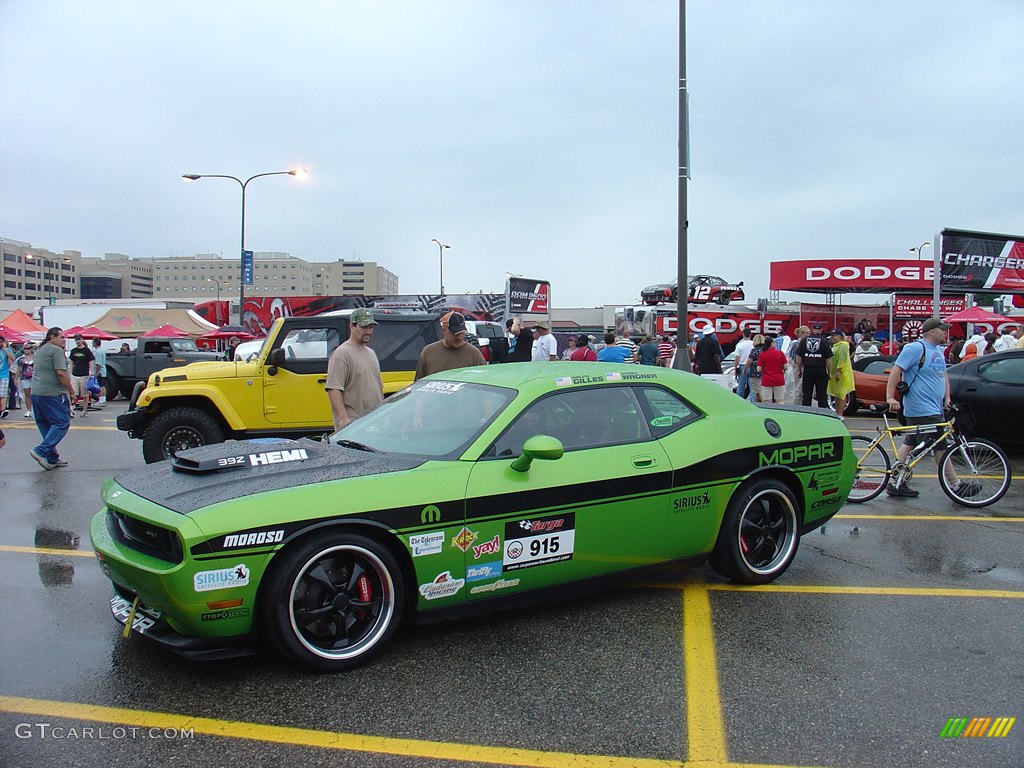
<point>643,461</point>
<point>972,389</point>
<point>321,381</point>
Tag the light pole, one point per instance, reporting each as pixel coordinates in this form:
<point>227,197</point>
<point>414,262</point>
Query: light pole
<point>190,177</point>
<point>440,253</point>
<point>920,249</point>
<point>47,263</point>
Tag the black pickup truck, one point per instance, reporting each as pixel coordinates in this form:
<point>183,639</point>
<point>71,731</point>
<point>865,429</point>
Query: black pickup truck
<point>151,355</point>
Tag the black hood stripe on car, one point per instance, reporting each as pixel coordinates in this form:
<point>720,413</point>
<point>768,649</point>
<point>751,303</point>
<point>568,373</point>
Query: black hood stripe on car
<point>323,462</point>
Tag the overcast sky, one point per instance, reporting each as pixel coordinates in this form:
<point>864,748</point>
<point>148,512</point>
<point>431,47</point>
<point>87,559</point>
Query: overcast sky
<point>537,138</point>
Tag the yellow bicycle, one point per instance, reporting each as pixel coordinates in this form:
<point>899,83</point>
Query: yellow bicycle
<point>973,472</point>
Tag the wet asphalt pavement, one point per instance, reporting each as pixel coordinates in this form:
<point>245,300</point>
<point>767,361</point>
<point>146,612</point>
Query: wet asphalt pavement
<point>894,618</point>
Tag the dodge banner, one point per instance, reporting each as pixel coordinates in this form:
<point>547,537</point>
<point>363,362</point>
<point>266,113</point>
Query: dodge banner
<point>921,306</point>
<point>980,261</point>
<point>843,275</point>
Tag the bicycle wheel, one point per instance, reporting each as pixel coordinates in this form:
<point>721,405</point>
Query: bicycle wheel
<point>983,473</point>
<point>873,467</point>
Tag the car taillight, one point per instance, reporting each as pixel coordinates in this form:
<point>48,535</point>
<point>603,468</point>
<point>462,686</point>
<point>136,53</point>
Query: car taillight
<point>486,352</point>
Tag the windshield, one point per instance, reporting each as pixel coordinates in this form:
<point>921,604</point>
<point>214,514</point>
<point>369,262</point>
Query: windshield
<point>184,345</point>
<point>431,418</point>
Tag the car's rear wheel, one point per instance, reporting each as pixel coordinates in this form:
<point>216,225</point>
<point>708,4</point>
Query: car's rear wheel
<point>332,601</point>
<point>760,533</point>
<point>178,429</point>
<point>724,298</point>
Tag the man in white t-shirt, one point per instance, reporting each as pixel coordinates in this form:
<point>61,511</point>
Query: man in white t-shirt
<point>743,349</point>
<point>545,347</point>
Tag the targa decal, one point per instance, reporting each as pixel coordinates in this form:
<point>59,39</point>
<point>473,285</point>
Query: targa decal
<point>539,541</point>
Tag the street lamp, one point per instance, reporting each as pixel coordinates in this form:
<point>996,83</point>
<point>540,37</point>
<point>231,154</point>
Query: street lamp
<point>215,280</point>
<point>47,263</point>
<point>920,249</point>
<point>440,254</point>
<point>190,177</point>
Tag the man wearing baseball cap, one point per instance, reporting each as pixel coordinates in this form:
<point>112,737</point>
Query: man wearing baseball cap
<point>354,383</point>
<point>451,352</point>
<point>922,366</point>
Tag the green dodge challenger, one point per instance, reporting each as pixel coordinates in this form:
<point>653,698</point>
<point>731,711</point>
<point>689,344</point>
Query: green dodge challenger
<point>469,486</point>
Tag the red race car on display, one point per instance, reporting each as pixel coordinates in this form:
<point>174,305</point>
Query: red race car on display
<point>704,289</point>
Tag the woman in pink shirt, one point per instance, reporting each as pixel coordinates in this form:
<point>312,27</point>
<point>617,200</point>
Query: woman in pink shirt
<point>772,364</point>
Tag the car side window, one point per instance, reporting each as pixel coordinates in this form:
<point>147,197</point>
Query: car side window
<point>398,344</point>
<point>1003,371</point>
<point>310,343</point>
<point>589,417</point>
<point>665,411</point>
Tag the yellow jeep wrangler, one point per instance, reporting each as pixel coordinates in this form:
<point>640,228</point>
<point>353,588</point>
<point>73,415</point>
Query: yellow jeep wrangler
<point>279,393</point>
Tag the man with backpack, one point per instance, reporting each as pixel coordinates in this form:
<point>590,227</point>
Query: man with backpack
<point>919,373</point>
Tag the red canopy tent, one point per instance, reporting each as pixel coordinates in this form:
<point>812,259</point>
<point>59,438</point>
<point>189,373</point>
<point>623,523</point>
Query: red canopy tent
<point>73,331</point>
<point>166,330</point>
<point>92,332</point>
<point>20,321</point>
<point>976,315</point>
<point>223,334</point>
<point>13,335</point>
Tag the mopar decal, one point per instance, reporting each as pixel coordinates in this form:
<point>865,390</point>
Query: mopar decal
<point>145,618</point>
<point>430,515</point>
<point>799,455</point>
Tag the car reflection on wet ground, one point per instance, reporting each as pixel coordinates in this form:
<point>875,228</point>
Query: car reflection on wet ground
<point>898,616</point>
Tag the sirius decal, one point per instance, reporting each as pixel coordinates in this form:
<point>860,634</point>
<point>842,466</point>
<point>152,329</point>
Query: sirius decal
<point>426,543</point>
<point>236,576</point>
<point>694,501</point>
<point>442,586</point>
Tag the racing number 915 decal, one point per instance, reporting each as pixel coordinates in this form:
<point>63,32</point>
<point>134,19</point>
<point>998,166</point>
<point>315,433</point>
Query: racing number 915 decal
<point>539,541</point>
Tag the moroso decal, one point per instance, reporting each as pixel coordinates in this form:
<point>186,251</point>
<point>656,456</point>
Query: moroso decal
<point>252,538</point>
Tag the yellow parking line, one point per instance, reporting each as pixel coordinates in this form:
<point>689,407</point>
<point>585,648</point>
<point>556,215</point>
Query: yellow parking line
<point>705,727</point>
<point>306,737</point>
<point>885,591</point>
<point>956,518</point>
<point>47,551</point>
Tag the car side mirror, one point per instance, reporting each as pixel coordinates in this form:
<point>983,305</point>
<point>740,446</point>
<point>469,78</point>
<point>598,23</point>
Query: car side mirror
<point>276,358</point>
<point>542,447</point>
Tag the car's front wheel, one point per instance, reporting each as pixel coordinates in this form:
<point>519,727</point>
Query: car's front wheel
<point>178,429</point>
<point>332,601</point>
<point>760,533</point>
